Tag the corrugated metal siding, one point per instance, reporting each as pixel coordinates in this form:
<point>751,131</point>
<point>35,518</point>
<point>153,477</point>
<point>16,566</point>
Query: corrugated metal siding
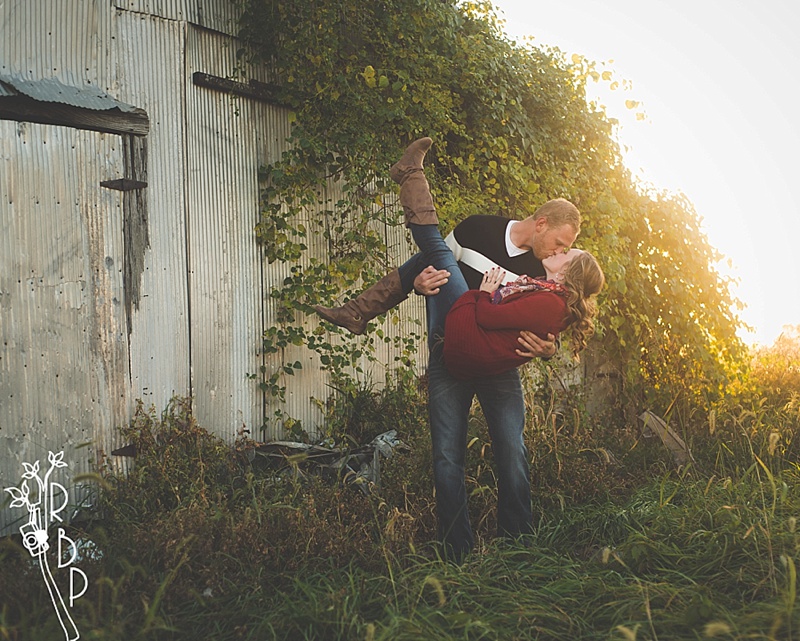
<point>203,275</point>
<point>411,319</point>
<point>68,41</point>
<point>64,353</point>
<point>218,15</point>
<point>228,139</point>
<point>312,382</point>
<point>148,58</point>
<point>224,137</point>
<point>53,90</point>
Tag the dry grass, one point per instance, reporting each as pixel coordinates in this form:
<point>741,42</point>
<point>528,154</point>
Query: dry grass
<point>198,542</point>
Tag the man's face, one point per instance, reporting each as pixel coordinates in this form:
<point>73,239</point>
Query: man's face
<point>549,241</point>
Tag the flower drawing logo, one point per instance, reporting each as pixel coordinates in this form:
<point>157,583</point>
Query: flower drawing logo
<point>42,512</point>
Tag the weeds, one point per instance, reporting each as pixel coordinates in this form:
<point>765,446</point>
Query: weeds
<point>198,542</point>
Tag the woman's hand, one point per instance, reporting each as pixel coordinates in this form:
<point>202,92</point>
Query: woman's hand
<point>492,280</point>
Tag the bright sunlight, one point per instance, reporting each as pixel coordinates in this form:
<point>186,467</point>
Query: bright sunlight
<point>712,82</point>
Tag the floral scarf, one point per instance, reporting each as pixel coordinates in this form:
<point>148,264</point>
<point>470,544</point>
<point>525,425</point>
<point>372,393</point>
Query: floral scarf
<point>526,284</point>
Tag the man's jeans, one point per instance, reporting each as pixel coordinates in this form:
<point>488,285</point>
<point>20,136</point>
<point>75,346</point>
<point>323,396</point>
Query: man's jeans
<point>449,404</point>
<point>503,406</point>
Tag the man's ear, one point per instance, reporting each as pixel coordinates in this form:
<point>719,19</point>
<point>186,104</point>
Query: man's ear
<point>540,225</point>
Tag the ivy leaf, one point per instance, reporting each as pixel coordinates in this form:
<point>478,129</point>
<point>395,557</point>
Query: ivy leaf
<point>369,75</point>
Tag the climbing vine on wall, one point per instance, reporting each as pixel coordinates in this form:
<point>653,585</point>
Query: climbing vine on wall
<point>512,129</point>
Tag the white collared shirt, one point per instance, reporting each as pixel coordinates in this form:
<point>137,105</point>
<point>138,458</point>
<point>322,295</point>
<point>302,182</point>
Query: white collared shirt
<point>511,248</point>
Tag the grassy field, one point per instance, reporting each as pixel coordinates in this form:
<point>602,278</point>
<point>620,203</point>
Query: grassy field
<point>205,541</point>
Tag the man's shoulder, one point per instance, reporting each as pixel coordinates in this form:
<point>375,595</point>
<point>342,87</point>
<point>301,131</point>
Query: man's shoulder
<point>484,219</point>
<point>481,224</point>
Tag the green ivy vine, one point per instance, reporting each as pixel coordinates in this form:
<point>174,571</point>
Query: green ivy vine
<point>512,129</point>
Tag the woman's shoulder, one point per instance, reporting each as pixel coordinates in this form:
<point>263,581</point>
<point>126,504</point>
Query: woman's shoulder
<point>542,298</point>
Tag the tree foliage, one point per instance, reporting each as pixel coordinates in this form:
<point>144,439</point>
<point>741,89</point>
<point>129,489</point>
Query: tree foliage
<point>512,128</point>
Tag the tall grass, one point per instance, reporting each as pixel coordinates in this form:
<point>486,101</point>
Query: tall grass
<point>200,541</point>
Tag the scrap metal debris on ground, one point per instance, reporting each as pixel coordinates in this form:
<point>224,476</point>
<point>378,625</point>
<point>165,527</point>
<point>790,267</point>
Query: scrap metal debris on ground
<point>653,425</point>
<point>360,465</point>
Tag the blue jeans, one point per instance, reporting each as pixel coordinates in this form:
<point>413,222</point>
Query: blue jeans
<point>449,404</point>
<point>436,252</point>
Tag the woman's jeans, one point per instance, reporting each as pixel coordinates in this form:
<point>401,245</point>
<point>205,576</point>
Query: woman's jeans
<point>449,405</point>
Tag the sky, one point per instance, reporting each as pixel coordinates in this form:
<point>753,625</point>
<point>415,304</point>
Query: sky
<point>718,84</point>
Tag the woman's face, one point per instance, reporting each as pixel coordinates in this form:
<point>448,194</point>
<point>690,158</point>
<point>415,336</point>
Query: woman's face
<point>556,265</point>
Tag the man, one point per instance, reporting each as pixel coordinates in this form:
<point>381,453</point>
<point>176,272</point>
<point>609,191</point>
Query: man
<point>479,242</point>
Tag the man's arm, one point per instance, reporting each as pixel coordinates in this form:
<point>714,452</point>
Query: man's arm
<point>429,280</point>
<point>535,347</point>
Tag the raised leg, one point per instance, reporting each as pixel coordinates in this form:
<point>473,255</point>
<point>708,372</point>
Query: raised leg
<point>415,194</point>
<point>436,252</point>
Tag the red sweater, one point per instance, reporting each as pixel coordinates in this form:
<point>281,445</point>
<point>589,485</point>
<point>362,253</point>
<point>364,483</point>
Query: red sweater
<point>481,338</point>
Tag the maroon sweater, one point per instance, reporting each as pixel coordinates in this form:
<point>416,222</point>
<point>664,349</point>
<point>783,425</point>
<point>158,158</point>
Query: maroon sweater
<point>481,338</point>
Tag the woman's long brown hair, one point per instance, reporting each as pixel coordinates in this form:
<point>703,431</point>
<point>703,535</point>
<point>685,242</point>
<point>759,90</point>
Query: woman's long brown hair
<point>583,280</point>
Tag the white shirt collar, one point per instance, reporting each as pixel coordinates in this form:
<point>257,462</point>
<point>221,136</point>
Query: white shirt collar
<point>511,248</point>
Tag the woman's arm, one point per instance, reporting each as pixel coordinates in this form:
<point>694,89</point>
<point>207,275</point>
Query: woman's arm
<point>539,312</point>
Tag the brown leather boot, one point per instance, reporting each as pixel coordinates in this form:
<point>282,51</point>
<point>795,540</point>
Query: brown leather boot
<point>415,193</point>
<point>411,160</point>
<point>374,301</point>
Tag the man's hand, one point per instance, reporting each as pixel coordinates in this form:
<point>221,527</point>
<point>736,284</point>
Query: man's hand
<point>429,280</point>
<point>535,347</point>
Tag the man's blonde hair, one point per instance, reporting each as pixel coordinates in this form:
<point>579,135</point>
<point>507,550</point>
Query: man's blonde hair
<point>559,212</point>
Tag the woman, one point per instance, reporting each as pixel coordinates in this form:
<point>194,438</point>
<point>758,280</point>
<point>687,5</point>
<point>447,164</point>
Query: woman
<point>481,325</point>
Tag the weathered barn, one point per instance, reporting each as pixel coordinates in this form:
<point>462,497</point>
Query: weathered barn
<point>128,195</point>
